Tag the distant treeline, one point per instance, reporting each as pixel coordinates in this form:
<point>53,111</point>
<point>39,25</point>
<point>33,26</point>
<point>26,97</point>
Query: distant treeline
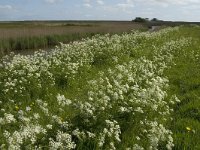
<point>140,19</point>
<point>158,22</point>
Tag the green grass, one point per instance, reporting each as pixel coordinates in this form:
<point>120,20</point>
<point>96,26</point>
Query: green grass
<point>184,80</point>
<point>105,65</point>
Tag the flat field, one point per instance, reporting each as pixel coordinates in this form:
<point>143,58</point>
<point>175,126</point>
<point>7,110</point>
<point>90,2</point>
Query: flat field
<point>134,91</point>
<point>16,36</point>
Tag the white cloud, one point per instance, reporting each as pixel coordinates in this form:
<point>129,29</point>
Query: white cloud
<point>191,7</point>
<point>87,5</point>
<point>88,15</point>
<point>52,1</point>
<point>100,2</point>
<point>7,12</point>
<point>8,7</point>
<point>86,1</point>
<point>126,7</point>
<point>170,2</point>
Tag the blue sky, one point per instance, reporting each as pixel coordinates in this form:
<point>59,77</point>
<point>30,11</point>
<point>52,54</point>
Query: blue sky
<point>182,10</point>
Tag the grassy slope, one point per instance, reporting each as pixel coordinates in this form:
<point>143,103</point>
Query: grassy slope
<point>183,78</point>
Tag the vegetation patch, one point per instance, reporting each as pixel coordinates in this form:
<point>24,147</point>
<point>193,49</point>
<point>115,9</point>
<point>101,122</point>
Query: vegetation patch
<point>130,91</point>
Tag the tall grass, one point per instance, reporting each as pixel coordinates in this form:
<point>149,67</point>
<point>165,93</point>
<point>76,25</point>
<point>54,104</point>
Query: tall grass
<point>36,42</point>
<point>31,35</point>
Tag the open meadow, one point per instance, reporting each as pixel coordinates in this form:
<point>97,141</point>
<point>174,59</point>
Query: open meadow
<point>133,91</point>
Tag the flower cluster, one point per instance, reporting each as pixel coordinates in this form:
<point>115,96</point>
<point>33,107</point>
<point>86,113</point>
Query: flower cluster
<point>107,92</point>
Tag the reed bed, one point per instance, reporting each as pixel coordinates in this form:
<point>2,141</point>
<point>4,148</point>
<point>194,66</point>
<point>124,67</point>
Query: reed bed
<point>31,35</point>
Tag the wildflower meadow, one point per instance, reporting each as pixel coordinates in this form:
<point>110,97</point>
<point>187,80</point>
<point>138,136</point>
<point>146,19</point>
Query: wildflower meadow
<point>135,91</point>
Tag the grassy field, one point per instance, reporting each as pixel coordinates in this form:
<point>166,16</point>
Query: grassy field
<point>17,36</point>
<point>133,91</point>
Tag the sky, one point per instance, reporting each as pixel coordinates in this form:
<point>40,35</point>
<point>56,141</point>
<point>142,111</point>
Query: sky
<point>173,10</point>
